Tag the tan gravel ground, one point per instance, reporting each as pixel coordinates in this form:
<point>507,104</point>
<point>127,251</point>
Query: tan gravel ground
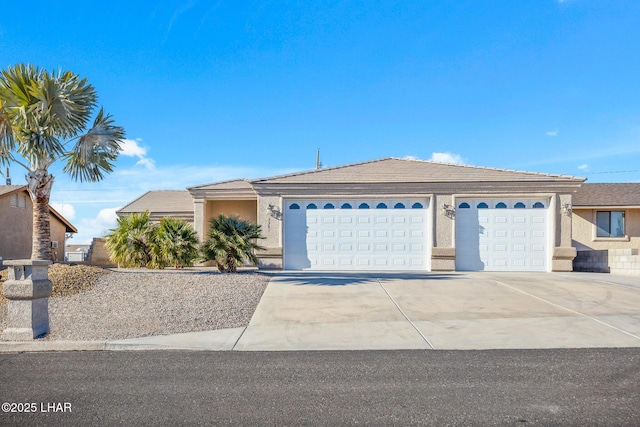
<point>97,304</point>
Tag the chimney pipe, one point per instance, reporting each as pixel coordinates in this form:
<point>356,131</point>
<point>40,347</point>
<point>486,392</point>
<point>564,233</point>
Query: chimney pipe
<point>8,177</point>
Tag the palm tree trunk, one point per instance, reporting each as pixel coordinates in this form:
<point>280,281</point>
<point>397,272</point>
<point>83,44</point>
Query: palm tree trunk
<point>41,229</point>
<point>40,183</point>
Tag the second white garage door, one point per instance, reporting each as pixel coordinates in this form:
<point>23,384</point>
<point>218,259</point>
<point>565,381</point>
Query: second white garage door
<point>502,235</point>
<point>356,235</point>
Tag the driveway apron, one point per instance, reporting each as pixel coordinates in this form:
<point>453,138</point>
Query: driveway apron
<point>334,311</point>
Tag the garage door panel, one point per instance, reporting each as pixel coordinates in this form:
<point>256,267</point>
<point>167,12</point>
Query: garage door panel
<point>360,237</point>
<point>508,237</point>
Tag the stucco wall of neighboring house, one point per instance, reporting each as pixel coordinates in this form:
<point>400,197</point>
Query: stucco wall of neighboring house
<point>15,224</point>
<point>58,231</point>
<point>16,231</point>
<point>584,231</point>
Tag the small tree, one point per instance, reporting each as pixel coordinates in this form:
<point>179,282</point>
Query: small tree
<point>176,244</point>
<point>231,242</point>
<point>44,117</point>
<point>131,243</point>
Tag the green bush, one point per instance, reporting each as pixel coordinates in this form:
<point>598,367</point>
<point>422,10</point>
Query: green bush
<point>231,242</point>
<point>138,242</point>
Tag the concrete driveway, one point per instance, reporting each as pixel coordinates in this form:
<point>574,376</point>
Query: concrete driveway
<point>332,311</point>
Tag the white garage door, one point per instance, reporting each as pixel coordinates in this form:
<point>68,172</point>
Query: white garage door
<point>502,235</point>
<point>356,235</point>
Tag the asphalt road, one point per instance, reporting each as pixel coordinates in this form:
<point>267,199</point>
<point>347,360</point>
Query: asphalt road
<point>506,387</point>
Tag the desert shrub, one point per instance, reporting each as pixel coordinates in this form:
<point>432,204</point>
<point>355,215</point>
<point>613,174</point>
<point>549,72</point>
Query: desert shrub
<point>231,242</point>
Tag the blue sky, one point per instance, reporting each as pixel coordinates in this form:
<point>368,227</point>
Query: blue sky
<point>214,90</point>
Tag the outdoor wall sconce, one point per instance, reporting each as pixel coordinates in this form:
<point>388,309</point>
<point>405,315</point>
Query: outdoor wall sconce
<point>566,209</point>
<point>448,211</point>
<point>274,212</point>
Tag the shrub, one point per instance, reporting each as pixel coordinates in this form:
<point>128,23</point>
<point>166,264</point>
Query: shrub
<point>176,243</point>
<point>231,242</point>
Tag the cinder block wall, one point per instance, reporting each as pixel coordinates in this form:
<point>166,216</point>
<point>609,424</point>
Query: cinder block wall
<point>98,254</point>
<point>614,261</point>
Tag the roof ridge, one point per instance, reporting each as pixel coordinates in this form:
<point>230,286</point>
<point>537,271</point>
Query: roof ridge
<point>490,168</point>
<point>218,182</point>
<point>310,171</point>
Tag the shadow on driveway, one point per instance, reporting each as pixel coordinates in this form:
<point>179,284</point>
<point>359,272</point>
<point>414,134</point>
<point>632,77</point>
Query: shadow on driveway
<point>354,278</point>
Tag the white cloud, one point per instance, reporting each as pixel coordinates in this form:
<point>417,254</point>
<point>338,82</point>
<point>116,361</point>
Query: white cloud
<point>132,148</point>
<point>410,158</point>
<point>447,158</point>
<point>64,209</point>
<point>88,228</point>
<point>583,167</point>
<point>553,133</point>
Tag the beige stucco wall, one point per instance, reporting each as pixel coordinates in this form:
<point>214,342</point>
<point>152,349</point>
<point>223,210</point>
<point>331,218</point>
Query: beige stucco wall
<point>207,209</point>
<point>245,209</point>
<point>58,232</point>
<point>16,231</point>
<point>584,231</point>
<point>16,227</point>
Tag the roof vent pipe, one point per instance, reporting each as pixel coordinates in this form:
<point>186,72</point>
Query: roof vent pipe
<point>8,177</point>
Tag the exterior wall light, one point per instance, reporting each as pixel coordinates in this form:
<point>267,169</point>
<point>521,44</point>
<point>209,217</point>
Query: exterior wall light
<point>448,211</point>
<point>566,209</point>
<point>274,212</point>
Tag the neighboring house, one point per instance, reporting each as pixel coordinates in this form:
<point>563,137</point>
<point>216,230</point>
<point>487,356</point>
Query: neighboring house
<point>76,253</point>
<point>606,227</point>
<point>397,214</point>
<point>16,225</point>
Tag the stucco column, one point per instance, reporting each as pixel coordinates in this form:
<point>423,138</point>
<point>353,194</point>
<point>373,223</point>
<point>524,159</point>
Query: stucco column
<point>443,251</point>
<point>270,217</point>
<point>563,251</point>
<point>199,224</point>
<point>28,289</point>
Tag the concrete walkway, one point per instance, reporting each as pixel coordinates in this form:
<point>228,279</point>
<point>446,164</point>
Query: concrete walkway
<point>365,311</point>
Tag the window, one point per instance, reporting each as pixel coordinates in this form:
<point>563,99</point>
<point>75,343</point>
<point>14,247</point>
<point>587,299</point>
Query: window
<point>329,206</point>
<point>519,205</point>
<point>312,206</point>
<point>482,205</point>
<point>501,206</point>
<point>363,206</point>
<point>416,205</point>
<point>399,206</point>
<point>381,206</point>
<point>346,206</point>
<point>18,201</point>
<point>610,224</point>
<point>464,205</point>
<point>294,206</point>
<point>538,205</point>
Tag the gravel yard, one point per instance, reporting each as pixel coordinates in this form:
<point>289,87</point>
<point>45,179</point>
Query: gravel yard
<point>129,303</point>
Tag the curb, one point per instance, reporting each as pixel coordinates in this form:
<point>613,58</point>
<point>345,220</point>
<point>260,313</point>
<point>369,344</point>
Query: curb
<point>37,346</point>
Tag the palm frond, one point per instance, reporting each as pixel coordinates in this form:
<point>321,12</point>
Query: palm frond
<point>96,151</point>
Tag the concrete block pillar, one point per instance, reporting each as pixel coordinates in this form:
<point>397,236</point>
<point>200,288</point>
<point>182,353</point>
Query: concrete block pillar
<point>28,289</point>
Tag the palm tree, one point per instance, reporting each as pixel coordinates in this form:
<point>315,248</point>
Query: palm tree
<point>131,244</point>
<point>177,243</point>
<point>231,242</point>
<point>44,118</point>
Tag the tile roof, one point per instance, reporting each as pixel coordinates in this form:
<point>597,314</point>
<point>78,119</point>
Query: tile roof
<point>621,194</point>
<point>6,189</point>
<point>235,184</point>
<point>167,201</point>
<point>394,170</point>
